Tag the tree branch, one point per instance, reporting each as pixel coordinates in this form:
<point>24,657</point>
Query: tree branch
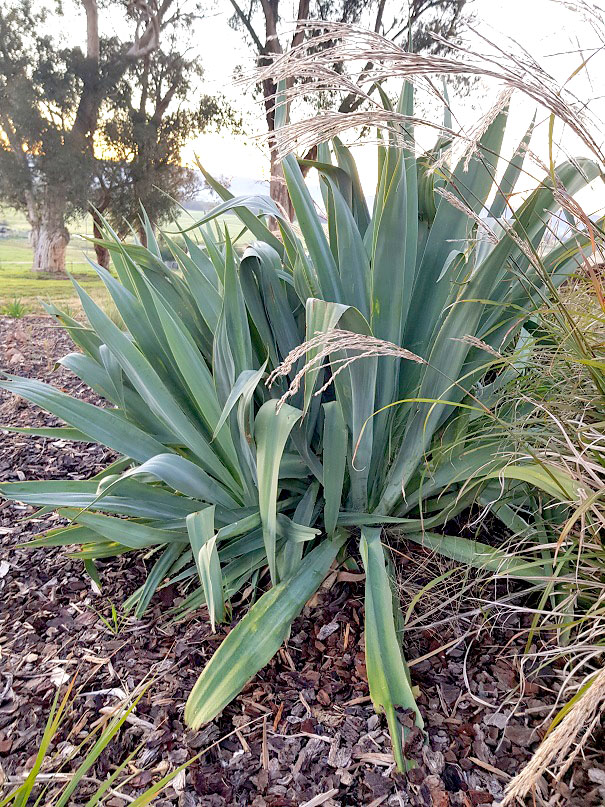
<point>92,29</point>
<point>379,15</point>
<point>248,26</point>
<point>150,39</point>
<point>303,13</point>
<point>164,102</point>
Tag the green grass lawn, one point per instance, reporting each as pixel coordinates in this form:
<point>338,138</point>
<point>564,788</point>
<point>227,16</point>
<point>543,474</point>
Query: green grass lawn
<point>18,282</point>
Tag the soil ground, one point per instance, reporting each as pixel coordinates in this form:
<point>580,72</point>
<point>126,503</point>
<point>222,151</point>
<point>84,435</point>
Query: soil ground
<point>316,739</point>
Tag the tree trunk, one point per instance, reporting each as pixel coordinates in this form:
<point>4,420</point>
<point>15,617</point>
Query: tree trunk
<point>34,236</point>
<point>102,253</point>
<point>49,240</point>
<point>142,233</point>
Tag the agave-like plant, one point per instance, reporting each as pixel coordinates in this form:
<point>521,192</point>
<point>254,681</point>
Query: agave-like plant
<point>375,332</point>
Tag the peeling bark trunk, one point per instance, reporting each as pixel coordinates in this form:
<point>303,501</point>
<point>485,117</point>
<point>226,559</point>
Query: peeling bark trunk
<point>50,245</point>
<point>49,239</point>
<point>34,236</point>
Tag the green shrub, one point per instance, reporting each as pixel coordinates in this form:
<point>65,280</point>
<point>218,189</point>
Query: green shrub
<point>398,311</point>
<point>565,377</point>
<point>15,309</point>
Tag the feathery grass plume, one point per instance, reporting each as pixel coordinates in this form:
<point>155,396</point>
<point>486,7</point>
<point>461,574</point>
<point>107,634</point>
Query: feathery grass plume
<point>479,343</point>
<point>456,202</point>
<point>357,46</point>
<point>474,137</point>
<point>560,415</point>
<point>328,343</point>
<point>563,743</point>
<point>303,134</point>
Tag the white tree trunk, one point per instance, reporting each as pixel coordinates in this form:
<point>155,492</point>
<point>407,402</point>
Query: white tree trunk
<point>50,242</point>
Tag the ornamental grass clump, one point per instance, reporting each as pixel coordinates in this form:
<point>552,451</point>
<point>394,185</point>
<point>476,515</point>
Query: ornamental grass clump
<point>273,408</point>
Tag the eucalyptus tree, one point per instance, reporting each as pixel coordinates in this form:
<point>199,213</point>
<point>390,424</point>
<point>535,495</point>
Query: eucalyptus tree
<point>58,72</point>
<point>157,109</point>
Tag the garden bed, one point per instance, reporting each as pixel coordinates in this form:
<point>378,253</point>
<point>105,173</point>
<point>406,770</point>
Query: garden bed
<point>315,738</point>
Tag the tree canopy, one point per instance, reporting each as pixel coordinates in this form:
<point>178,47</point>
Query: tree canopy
<point>157,109</point>
<point>101,119</point>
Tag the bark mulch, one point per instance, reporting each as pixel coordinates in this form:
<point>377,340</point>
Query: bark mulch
<point>316,739</point>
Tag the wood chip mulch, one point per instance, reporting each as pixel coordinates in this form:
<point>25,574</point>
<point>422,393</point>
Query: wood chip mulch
<point>316,739</point>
